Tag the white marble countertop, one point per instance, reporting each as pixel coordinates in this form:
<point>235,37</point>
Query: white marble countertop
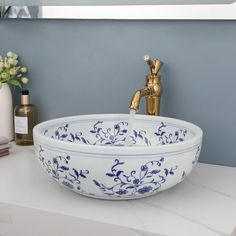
<point>204,204</point>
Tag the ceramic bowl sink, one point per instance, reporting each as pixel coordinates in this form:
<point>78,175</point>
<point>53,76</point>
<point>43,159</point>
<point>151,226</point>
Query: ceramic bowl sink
<point>87,154</point>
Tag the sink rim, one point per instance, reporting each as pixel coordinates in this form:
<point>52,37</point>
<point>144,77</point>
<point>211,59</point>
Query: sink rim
<point>118,150</point>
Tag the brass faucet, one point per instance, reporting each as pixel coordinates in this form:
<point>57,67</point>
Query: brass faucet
<point>152,90</point>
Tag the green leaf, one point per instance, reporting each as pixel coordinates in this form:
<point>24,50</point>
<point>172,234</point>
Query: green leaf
<point>15,83</point>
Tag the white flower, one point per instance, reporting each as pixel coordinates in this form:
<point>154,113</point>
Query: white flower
<point>23,70</point>
<point>24,80</point>
<point>15,62</point>
<point>11,61</point>
<point>15,56</point>
<point>146,58</point>
<point>7,64</point>
<point>10,54</point>
<point>13,71</point>
<point>3,75</point>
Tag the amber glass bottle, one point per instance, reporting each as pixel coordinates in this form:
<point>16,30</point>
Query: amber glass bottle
<point>25,117</point>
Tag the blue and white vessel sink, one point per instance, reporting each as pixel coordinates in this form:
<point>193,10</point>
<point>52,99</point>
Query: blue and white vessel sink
<point>87,154</point>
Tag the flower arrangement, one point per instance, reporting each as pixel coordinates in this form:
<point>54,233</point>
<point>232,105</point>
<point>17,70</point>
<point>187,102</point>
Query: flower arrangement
<point>10,72</point>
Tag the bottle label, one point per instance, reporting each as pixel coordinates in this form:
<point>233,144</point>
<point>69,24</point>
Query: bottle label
<point>21,125</point>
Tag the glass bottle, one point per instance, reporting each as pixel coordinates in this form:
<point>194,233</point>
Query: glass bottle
<point>25,117</point>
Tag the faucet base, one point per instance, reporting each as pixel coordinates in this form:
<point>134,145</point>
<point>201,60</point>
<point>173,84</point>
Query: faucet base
<point>152,103</point>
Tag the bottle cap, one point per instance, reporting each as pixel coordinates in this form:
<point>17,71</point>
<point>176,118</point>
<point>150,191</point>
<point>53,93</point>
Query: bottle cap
<point>25,92</point>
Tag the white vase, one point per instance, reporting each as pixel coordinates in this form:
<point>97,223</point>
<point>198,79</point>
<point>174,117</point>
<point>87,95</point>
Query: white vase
<point>6,112</point>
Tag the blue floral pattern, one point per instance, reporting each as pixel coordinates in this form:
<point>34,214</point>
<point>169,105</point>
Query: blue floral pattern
<point>141,135</point>
<point>168,137</point>
<point>149,178</point>
<point>194,162</point>
<point>183,175</point>
<point>116,134</point>
<point>61,133</point>
<point>59,169</point>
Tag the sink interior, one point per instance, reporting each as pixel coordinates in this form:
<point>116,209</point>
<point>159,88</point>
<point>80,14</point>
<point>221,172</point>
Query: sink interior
<point>113,131</point>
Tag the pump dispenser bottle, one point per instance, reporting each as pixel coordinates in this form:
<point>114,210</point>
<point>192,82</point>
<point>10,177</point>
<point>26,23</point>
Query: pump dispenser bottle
<point>25,117</point>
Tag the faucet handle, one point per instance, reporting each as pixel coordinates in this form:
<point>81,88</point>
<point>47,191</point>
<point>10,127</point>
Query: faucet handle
<point>146,58</point>
<point>154,64</point>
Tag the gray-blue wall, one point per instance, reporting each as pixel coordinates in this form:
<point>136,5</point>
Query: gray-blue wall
<point>87,66</point>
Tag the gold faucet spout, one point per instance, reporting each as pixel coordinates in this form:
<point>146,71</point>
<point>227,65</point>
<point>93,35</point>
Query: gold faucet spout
<point>136,99</point>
